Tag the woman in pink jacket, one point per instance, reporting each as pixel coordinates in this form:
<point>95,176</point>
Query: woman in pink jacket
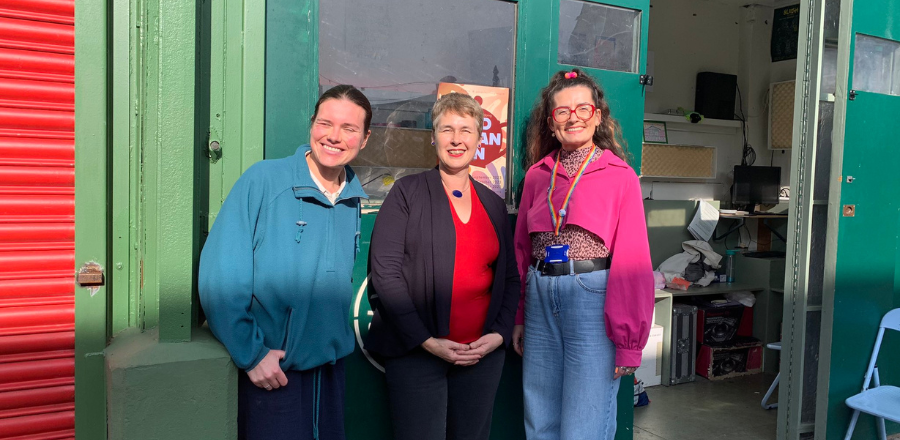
<point>581,245</point>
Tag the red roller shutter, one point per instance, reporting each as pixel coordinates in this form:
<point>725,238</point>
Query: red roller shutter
<point>37,229</point>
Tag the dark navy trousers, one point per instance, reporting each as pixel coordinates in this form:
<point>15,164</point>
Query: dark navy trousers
<point>309,407</point>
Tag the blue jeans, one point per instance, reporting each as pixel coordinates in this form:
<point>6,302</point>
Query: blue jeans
<point>568,361</point>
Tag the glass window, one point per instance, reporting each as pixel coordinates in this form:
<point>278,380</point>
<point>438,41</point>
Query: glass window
<point>599,36</point>
<point>397,52</point>
<point>876,65</point>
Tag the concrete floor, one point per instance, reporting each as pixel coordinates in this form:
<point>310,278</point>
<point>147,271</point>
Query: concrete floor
<point>707,410</point>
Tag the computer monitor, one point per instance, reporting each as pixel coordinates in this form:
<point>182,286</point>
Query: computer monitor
<point>755,185</point>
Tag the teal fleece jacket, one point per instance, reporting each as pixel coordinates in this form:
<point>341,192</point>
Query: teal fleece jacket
<point>275,272</point>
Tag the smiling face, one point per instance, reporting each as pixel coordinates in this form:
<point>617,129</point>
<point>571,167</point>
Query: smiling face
<point>456,139</point>
<point>574,133</point>
<point>337,133</point>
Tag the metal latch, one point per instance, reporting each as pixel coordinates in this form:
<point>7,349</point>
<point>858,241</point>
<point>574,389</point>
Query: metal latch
<point>90,275</point>
<point>849,210</point>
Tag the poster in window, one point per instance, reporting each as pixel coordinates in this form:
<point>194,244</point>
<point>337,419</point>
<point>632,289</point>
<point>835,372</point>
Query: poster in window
<point>489,165</point>
<point>785,31</point>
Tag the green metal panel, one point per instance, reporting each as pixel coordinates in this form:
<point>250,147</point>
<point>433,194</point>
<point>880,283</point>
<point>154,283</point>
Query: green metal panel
<point>125,188</point>
<point>864,248</point>
<point>236,93</point>
<point>366,413</point>
<point>292,73</point>
<point>92,140</point>
<point>803,178</point>
<point>172,151</point>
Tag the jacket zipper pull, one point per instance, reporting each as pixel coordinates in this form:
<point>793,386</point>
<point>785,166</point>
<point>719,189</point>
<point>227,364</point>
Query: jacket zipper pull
<point>301,224</point>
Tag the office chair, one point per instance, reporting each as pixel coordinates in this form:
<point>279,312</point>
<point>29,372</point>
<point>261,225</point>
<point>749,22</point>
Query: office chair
<point>881,401</point>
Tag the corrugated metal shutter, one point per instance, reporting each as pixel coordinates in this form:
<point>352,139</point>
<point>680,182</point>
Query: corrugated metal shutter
<point>37,229</point>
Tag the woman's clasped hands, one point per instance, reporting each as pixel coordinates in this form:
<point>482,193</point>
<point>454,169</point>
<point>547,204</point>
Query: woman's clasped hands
<point>463,354</point>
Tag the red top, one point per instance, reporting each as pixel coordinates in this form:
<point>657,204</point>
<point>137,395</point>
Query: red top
<point>477,249</point>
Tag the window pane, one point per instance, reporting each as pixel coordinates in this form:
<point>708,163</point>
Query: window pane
<point>397,52</point>
<point>876,65</point>
<point>599,36</point>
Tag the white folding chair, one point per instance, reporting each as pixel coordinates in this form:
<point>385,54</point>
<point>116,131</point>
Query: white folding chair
<point>881,401</point>
<point>777,347</point>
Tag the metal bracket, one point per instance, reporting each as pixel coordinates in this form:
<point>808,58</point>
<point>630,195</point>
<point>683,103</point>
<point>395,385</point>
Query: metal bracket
<point>646,80</point>
<point>90,275</point>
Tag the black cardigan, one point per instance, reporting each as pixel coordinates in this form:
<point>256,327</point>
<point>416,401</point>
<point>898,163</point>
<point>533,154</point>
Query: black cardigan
<point>411,266</point>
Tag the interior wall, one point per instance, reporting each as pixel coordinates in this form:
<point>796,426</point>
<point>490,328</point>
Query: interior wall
<point>686,37</point>
<point>690,36</point>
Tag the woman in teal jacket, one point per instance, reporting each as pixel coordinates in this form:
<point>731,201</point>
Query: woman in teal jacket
<point>275,276</point>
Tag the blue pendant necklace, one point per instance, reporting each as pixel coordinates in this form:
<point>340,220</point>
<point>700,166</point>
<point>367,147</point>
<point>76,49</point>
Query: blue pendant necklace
<point>456,193</point>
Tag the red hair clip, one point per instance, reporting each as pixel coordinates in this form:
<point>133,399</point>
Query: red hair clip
<point>570,75</point>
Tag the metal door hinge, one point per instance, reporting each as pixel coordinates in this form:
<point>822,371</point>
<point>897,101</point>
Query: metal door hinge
<point>646,80</point>
<point>852,95</point>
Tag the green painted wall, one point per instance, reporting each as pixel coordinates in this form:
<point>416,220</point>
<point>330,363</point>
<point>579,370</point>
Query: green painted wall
<point>170,390</point>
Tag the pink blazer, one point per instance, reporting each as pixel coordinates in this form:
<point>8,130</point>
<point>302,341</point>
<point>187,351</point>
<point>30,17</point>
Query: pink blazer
<point>607,202</point>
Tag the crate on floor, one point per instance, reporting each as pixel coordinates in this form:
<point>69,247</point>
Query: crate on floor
<point>741,357</point>
<point>718,323</point>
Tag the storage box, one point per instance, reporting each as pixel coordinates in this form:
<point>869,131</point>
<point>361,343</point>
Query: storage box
<point>651,358</point>
<point>716,362</point>
<point>716,325</point>
<point>684,344</point>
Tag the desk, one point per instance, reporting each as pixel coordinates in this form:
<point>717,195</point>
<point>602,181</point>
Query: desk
<point>741,218</point>
<point>663,303</point>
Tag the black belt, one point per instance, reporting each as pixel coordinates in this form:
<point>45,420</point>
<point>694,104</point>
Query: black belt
<point>579,266</point>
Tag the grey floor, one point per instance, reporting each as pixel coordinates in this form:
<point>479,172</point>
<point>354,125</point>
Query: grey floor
<point>704,409</point>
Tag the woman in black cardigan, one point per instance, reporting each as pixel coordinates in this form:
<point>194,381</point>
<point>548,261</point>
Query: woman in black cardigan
<point>444,287</point>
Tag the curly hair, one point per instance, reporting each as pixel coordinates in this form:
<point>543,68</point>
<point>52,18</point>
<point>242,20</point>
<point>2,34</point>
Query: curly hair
<point>541,142</point>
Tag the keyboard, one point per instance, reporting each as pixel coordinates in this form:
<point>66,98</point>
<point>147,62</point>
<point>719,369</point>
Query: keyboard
<point>764,254</point>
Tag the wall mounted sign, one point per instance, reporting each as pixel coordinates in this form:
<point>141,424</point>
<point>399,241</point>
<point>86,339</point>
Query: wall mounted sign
<point>785,31</point>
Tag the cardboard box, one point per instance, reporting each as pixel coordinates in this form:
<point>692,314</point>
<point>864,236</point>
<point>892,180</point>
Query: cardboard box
<point>716,362</point>
<point>650,370</point>
<point>717,325</point>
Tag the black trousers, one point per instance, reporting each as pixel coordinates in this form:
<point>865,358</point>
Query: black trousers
<point>431,399</point>
<point>310,406</point>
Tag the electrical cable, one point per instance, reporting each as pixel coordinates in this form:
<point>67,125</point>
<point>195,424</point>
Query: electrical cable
<point>748,154</point>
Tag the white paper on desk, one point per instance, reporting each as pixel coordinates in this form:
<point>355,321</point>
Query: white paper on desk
<point>705,220</point>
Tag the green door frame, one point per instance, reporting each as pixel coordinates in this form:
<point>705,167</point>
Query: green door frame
<point>92,140</point>
<point>800,219</point>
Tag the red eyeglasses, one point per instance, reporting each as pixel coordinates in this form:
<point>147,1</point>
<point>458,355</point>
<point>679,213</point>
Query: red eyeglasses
<point>583,112</point>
